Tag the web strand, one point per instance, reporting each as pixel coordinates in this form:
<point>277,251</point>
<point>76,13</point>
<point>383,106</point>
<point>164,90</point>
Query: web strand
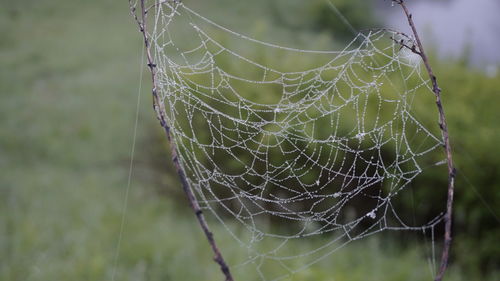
<point>130,171</point>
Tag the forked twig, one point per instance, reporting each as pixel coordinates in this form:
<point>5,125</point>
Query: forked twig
<point>159,108</point>
<point>444,130</point>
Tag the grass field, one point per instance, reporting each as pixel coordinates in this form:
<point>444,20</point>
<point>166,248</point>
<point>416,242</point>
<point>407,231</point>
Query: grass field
<point>69,78</point>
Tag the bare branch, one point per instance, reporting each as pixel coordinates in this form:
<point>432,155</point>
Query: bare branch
<point>447,146</point>
<point>159,108</point>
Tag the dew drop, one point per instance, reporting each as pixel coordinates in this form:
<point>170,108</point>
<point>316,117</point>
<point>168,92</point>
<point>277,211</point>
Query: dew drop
<point>371,214</point>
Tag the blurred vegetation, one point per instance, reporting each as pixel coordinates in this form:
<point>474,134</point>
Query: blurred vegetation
<point>68,91</point>
<point>322,16</point>
<point>357,15</point>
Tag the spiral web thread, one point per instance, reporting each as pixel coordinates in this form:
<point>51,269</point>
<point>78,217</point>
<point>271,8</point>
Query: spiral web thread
<point>322,160</point>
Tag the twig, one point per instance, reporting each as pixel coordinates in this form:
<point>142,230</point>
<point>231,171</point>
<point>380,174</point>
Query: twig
<point>444,130</point>
<point>159,108</point>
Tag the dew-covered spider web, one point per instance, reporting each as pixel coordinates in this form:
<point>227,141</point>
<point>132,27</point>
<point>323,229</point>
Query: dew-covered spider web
<point>287,147</point>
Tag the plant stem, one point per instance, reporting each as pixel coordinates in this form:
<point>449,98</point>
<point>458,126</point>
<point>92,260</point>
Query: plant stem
<point>159,108</point>
<point>447,146</point>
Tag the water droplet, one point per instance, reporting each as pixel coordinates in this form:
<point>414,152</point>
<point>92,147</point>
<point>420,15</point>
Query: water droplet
<point>371,214</point>
<point>360,136</point>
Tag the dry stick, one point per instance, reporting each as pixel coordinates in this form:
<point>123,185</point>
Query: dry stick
<point>159,108</point>
<point>444,129</point>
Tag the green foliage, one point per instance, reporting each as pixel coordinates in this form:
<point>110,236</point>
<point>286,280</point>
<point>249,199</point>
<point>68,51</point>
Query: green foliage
<point>68,84</point>
<point>322,16</point>
<point>357,13</point>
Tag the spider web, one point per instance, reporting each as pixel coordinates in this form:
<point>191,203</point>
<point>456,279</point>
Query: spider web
<point>319,154</point>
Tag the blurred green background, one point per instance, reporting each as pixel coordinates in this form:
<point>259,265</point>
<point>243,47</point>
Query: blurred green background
<point>69,79</point>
